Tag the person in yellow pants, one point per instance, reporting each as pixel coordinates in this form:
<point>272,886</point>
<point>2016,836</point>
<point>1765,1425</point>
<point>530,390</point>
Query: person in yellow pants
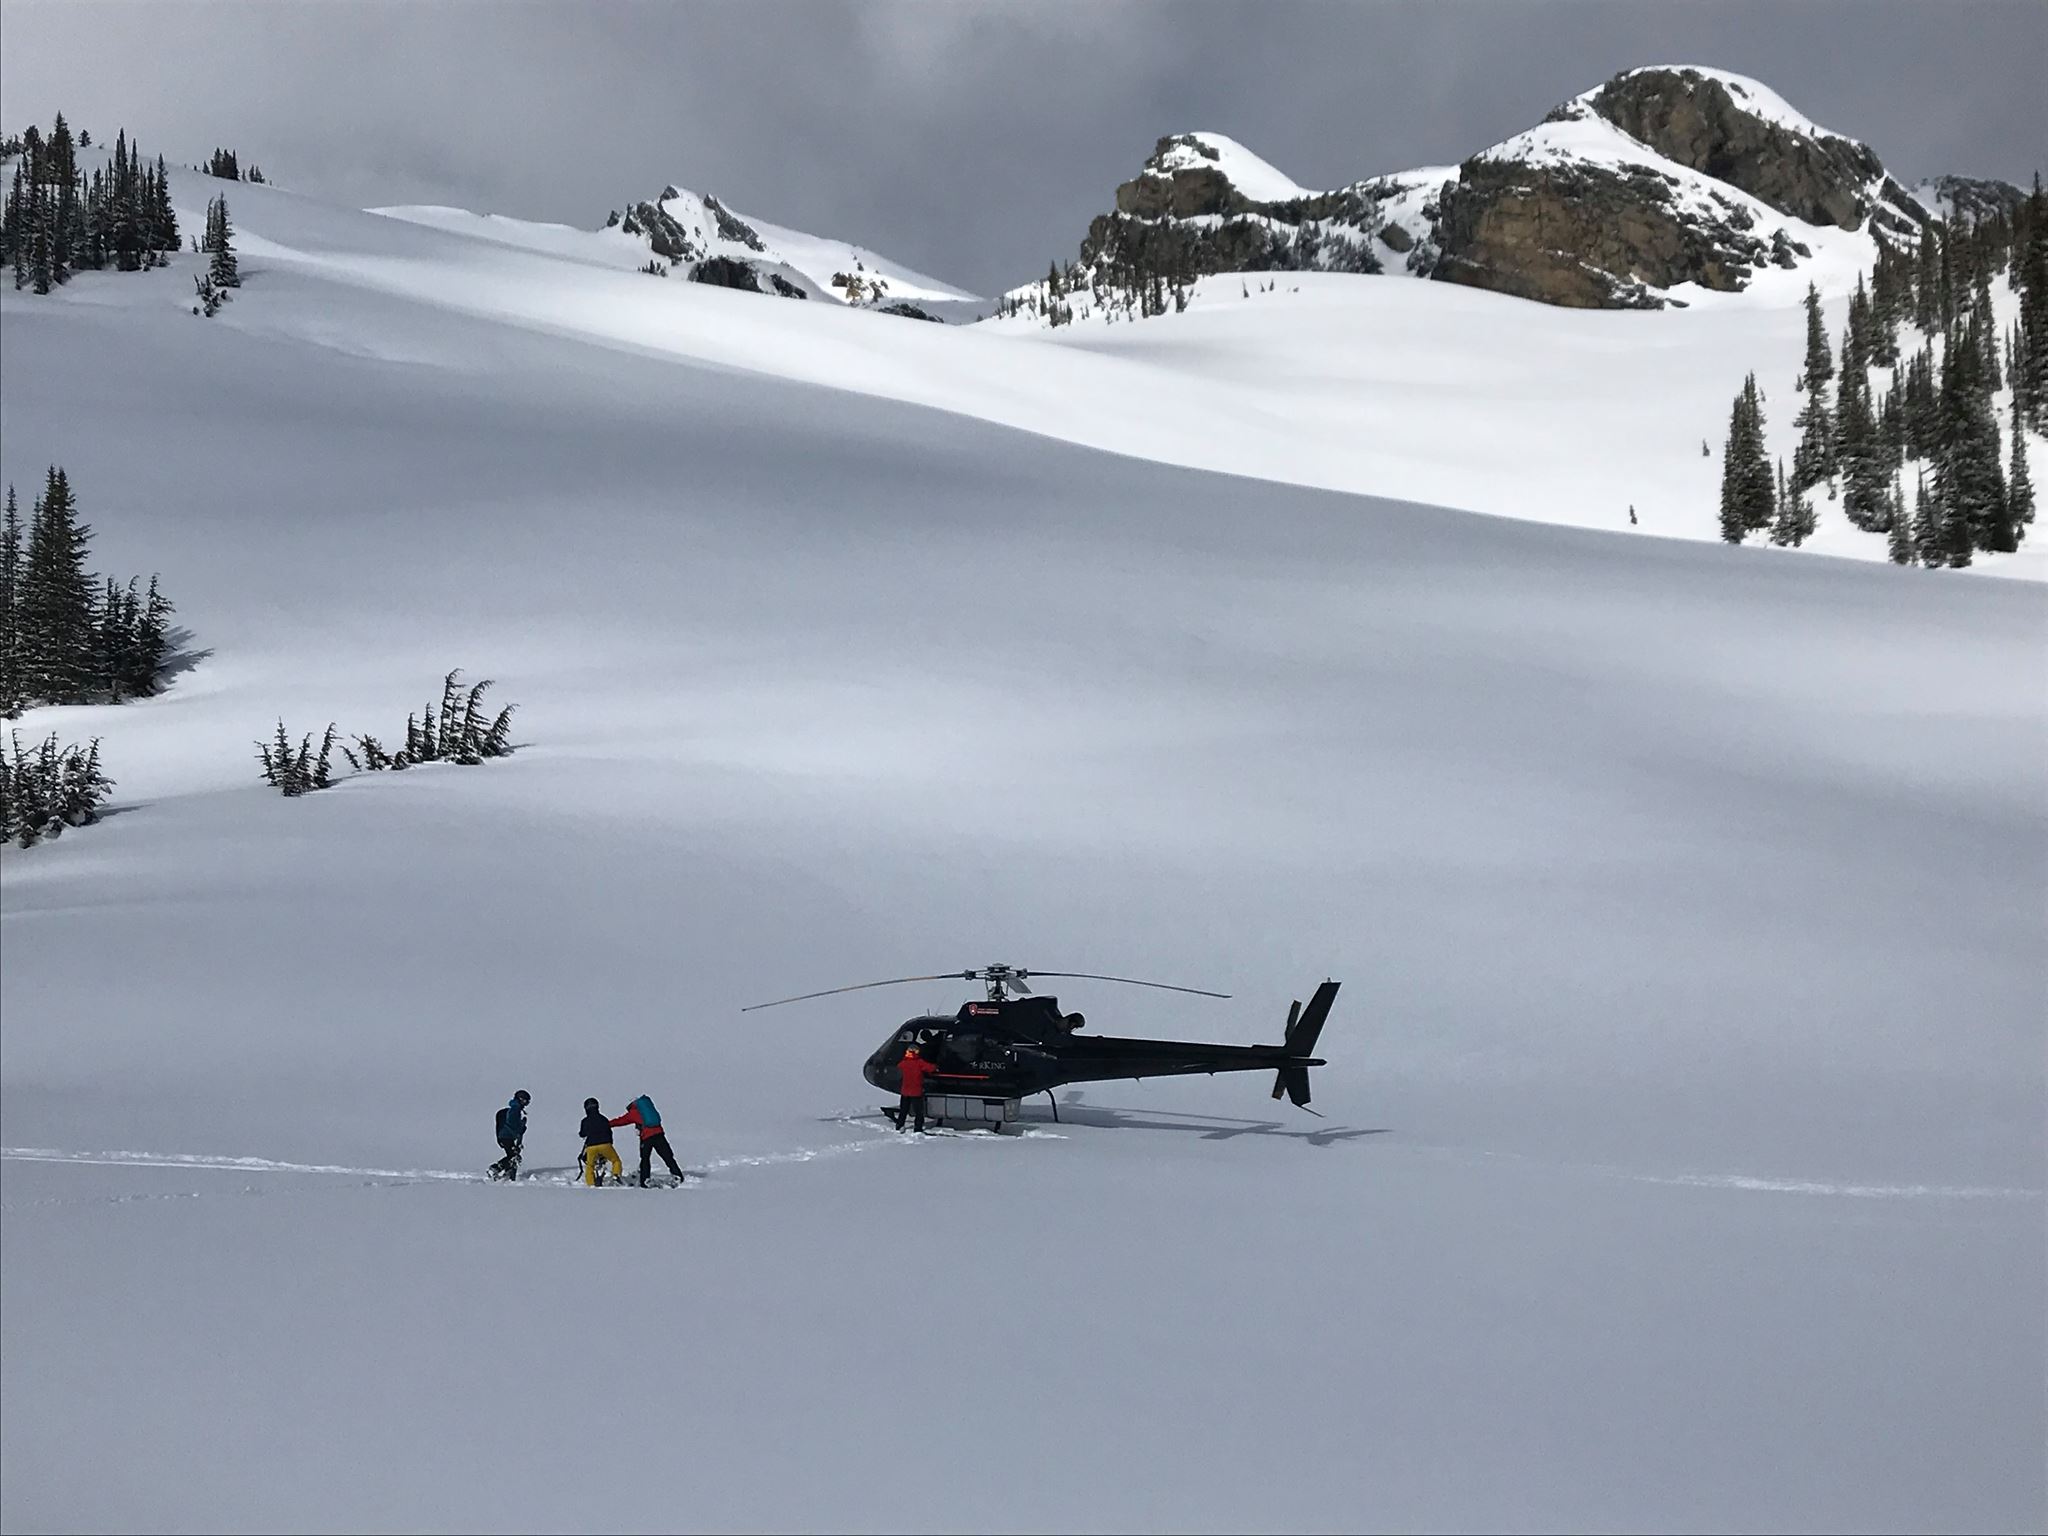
<point>597,1145</point>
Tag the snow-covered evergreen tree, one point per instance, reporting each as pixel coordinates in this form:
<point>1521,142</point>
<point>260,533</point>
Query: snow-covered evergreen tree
<point>1968,474</point>
<point>57,593</point>
<point>53,787</point>
<point>223,272</point>
<point>2031,275</point>
<point>1794,521</point>
<point>1899,542</point>
<point>1861,458</point>
<point>1930,533</point>
<point>12,563</point>
<point>2019,485</point>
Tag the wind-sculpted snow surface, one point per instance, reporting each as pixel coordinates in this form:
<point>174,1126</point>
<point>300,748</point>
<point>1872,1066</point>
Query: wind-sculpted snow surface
<point>1682,1157</point>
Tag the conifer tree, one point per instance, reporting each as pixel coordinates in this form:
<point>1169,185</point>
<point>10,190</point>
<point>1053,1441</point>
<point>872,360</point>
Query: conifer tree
<point>1860,458</point>
<point>2019,486</point>
<point>2031,278</point>
<point>223,272</point>
<point>1930,536</point>
<point>14,224</point>
<point>152,638</point>
<point>164,222</point>
<point>1856,334</point>
<point>1820,363</point>
<point>57,599</point>
<point>12,552</point>
<point>1968,475</point>
<point>1814,459</point>
<point>1734,524</point>
<point>1899,541</point>
<point>1794,521</point>
<point>61,176</point>
<point>1927,280</point>
<point>41,257</point>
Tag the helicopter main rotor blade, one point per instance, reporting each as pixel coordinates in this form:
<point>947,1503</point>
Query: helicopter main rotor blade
<point>862,986</point>
<point>1129,981</point>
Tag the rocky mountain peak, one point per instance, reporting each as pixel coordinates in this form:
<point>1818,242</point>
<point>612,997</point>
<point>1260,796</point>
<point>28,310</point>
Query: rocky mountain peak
<point>1741,133</point>
<point>1660,178</point>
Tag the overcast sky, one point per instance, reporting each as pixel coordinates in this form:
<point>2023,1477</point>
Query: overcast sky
<point>973,141</point>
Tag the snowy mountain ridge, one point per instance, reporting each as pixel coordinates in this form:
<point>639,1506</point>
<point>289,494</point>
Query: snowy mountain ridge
<point>1663,183</point>
<point>704,240</point>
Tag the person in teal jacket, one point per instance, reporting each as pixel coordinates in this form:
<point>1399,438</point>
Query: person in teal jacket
<point>653,1139</point>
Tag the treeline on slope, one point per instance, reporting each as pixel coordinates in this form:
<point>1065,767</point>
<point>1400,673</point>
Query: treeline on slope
<point>459,733</point>
<point>1138,268</point>
<point>47,788</point>
<point>58,220</point>
<point>1135,270</point>
<point>227,165</point>
<point>66,635</point>
<point>1936,409</point>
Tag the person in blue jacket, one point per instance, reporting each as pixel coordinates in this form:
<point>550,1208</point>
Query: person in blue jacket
<point>511,1135</point>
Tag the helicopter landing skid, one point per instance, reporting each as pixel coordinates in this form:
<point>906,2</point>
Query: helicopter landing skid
<point>971,1110</point>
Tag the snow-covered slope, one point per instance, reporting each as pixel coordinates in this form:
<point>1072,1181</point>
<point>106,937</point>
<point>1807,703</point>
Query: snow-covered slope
<point>1428,392</point>
<point>685,231</point>
<point>1683,1142</point>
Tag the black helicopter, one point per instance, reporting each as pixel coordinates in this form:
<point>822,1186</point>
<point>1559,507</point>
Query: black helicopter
<point>994,1053</point>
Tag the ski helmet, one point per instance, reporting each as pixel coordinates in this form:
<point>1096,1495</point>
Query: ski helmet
<point>590,1105</point>
<point>523,1097</point>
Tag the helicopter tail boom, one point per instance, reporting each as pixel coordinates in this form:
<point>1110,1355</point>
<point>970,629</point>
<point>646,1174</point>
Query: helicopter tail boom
<point>1304,1027</point>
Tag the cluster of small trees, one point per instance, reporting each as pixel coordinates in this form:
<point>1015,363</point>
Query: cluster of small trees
<point>223,272</point>
<point>66,636</point>
<point>1134,268</point>
<point>228,166</point>
<point>57,220</point>
<point>1936,408</point>
<point>48,788</point>
<point>1118,291</point>
<point>459,732</point>
<point>296,770</point>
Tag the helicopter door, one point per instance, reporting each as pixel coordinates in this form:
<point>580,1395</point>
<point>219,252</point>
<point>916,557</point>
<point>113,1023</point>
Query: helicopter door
<point>974,1055</point>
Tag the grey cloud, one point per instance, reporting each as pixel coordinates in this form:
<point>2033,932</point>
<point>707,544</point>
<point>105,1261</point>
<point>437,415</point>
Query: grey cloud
<point>972,140</point>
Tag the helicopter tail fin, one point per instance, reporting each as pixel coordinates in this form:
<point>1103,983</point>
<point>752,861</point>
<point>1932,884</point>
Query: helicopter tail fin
<point>1304,1028</point>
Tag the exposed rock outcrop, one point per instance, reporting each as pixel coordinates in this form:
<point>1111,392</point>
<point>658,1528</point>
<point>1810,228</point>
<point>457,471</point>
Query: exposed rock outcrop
<point>706,242</point>
<point>1693,118</point>
<point>1588,236</point>
<point>1659,178</point>
<point>1184,217</point>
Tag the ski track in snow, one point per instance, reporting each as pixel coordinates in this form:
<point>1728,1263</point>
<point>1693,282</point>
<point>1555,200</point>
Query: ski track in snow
<point>543,1178</point>
<point>1744,1182</point>
<point>560,1178</point>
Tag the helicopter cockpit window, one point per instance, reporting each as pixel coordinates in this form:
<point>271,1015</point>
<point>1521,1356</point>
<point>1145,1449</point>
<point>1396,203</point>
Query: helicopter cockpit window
<point>959,1050</point>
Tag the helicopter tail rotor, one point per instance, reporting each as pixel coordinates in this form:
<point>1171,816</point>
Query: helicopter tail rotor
<point>1304,1027</point>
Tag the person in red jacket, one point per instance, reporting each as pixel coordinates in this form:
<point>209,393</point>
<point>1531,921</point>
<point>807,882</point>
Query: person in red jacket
<point>653,1138</point>
<point>912,1070</point>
